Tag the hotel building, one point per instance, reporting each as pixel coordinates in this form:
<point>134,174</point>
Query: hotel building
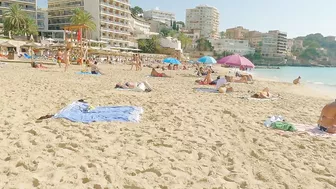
<point>274,44</point>
<point>29,6</point>
<point>205,19</point>
<point>112,18</point>
<point>161,16</point>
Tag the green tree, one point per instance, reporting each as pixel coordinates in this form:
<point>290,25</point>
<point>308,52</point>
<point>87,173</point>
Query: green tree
<point>15,20</point>
<point>185,40</point>
<point>136,10</point>
<point>31,27</point>
<point>149,45</point>
<point>181,23</point>
<point>82,17</point>
<point>174,25</point>
<point>222,34</point>
<point>310,54</point>
<point>204,45</point>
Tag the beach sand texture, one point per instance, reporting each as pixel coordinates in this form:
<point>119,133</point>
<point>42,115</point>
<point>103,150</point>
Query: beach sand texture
<point>186,139</point>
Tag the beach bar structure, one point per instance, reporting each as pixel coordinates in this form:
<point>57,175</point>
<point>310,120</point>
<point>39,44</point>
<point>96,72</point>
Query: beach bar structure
<point>73,37</point>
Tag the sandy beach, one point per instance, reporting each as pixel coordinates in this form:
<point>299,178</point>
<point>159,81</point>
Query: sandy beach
<point>186,138</point>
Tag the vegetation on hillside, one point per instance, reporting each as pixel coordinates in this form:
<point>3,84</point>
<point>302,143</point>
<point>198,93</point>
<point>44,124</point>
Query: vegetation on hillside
<point>313,45</point>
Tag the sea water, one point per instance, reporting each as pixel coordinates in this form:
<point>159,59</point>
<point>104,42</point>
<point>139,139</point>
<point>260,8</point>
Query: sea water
<point>317,77</point>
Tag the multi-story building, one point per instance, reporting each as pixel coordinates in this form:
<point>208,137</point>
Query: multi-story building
<point>205,19</point>
<point>255,39</point>
<point>232,45</point>
<point>140,28</point>
<point>237,33</point>
<point>112,18</point>
<point>29,6</point>
<point>42,19</point>
<point>274,44</point>
<point>161,16</point>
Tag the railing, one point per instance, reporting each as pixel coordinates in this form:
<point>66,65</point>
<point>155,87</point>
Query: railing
<point>114,22</point>
<point>114,6</point>
<point>113,30</point>
<point>115,14</point>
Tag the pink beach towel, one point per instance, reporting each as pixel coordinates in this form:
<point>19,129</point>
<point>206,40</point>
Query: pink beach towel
<point>312,130</point>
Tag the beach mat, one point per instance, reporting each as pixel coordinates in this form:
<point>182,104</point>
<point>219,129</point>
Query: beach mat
<point>312,130</point>
<point>81,112</point>
<point>207,90</point>
<point>86,73</point>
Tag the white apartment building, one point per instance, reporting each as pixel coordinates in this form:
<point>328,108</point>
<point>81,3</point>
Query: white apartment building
<point>232,45</point>
<point>274,44</point>
<point>140,28</point>
<point>29,6</point>
<point>112,18</point>
<point>161,16</point>
<point>205,19</point>
<point>171,43</point>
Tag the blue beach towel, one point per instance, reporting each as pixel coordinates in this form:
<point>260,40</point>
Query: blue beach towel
<point>87,73</point>
<point>81,112</point>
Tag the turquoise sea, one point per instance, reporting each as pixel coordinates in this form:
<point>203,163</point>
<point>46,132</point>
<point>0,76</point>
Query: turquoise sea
<point>316,77</point>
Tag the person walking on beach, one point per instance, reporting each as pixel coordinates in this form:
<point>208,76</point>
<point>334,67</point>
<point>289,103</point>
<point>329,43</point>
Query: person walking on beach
<point>66,57</point>
<point>327,120</point>
<point>59,57</point>
<point>297,81</point>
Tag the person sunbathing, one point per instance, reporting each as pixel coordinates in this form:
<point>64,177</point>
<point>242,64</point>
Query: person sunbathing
<point>37,65</point>
<point>154,73</point>
<point>207,80</point>
<point>262,94</point>
<point>242,79</point>
<point>327,120</point>
<point>297,80</point>
<point>141,86</point>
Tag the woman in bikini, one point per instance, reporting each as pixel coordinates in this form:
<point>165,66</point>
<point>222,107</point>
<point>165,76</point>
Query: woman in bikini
<point>154,73</point>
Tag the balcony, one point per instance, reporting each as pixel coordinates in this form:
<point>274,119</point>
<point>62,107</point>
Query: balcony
<point>26,1</point>
<point>111,6</point>
<point>115,31</point>
<point>126,2</point>
<point>115,14</point>
<point>114,39</point>
<point>114,23</point>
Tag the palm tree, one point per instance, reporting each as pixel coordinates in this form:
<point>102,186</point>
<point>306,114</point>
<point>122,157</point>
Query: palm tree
<point>31,27</point>
<point>82,17</point>
<point>15,20</point>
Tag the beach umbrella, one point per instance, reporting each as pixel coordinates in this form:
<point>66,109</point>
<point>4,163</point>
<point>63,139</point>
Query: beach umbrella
<point>171,61</point>
<point>7,44</point>
<point>207,60</point>
<point>236,60</point>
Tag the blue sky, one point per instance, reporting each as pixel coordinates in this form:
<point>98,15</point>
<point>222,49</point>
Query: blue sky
<point>296,17</point>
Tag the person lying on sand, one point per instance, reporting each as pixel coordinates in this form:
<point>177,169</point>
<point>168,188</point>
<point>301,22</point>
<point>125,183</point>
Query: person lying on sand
<point>231,79</point>
<point>327,120</point>
<point>297,80</point>
<point>207,80</point>
<point>263,94</point>
<point>37,65</point>
<point>154,73</point>
<point>141,86</point>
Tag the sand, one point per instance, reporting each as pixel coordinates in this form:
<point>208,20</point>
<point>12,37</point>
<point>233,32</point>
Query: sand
<point>186,139</point>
